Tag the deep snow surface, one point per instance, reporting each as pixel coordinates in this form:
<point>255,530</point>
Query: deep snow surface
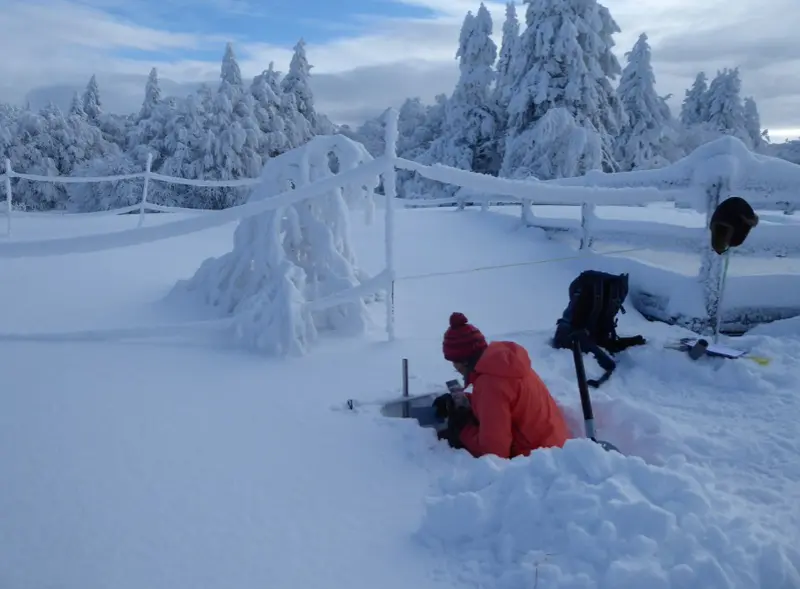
<point>185,464</point>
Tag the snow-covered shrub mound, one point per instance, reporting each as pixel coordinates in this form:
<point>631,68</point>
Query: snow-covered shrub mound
<point>285,258</point>
<point>583,518</point>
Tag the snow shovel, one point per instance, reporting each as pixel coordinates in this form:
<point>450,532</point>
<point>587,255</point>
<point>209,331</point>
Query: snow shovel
<point>586,400</point>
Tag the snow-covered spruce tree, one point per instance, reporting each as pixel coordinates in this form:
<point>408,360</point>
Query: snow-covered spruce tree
<point>468,139</point>
<point>296,86</point>
<point>152,95</point>
<point>232,139</point>
<point>646,140</point>
<point>504,75</point>
<point>48,143</point>
<point>788,150</point>
<point>752,124</point>
<point>694,109</point>
<point>563,148</point>
<point>76,106</point>
<point>185,148</point>
<point>413,134</point>
<point>148,134</point>
<point>268,112</point>
<point>409,185</point>
<point>508,46</point>
<point>92,105</point>
<point>284,259</point>
<point>104,196</point>
<point>371,134</point>
<point>725,106</point>
<point>8,118</point>
<point>694,118</point>
<point>564,59</point>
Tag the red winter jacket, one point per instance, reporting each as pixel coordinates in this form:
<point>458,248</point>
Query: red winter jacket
<point>514,409</point>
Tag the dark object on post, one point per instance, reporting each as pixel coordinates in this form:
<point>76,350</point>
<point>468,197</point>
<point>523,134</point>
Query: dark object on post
<point>731,223</point>
<point>586,400</point>
<point>595,299</point>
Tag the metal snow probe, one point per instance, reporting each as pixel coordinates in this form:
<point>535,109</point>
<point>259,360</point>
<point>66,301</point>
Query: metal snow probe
<point>586,400</point>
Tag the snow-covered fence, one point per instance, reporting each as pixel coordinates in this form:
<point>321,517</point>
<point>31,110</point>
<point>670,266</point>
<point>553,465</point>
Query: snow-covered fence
<point>147,175</point>
<point>292,268</point>
<point>701,180</point>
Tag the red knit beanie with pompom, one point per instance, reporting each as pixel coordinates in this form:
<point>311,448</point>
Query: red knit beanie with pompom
<point>462,341</point>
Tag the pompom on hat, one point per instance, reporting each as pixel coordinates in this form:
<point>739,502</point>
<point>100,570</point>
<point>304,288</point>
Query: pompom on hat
<point>462,341</point>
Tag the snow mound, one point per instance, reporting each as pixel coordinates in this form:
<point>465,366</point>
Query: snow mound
<point>583,518</point>
<point>782,328</point>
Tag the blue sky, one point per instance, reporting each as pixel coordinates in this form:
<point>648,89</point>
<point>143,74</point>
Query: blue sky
<point>273,22</point>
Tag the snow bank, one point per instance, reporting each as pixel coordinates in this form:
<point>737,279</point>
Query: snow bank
<point>288,261</point>
<point>782,328</point>
<point>583,518</point>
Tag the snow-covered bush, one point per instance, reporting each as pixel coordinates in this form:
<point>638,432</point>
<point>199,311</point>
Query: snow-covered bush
<point>285,258</point>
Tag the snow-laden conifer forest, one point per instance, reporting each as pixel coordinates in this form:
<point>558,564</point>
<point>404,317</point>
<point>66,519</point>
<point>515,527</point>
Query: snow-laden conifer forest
<point>512,113</point>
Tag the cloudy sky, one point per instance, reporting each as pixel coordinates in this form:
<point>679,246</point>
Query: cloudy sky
<point>367,54</point>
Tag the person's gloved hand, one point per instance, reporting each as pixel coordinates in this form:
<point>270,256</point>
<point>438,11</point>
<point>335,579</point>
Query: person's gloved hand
<point>459,414</point>
<point>443,404</point>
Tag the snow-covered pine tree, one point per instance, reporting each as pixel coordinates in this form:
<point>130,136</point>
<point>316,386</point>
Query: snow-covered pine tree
<point>646,140</point>
<point>413,134</point>
<point>296,85</point>
<point>788,150</point>
<point>504,75</point>
<point>76,106</point>
<point>268,111</point>
<point>92,105</point>
<point>8,118</point>
<point>752,123</point>
<point>185,149</point>
<point>468,139</point>
<point>152,95</point>
<point>233,138</point>
<point>148,134</point>
<point>694,109</point>
<point>725,107</point>
<point>564,59</point>
<point>508,47</point>
<point>48,143</point>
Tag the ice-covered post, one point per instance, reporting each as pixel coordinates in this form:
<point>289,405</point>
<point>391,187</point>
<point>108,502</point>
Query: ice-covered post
<point>712,265</point>
<point>390,190</point>
<point>587,221</point>
<point>142,204</point>
<point>8,196</point>
<point>527,212</point>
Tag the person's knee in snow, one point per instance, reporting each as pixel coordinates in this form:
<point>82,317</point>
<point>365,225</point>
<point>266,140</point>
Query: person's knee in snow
<point>510,412</point>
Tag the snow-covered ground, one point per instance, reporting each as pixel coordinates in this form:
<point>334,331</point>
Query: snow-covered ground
<point>184,464</point>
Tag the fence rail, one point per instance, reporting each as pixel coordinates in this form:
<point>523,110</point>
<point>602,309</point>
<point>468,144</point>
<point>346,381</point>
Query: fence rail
<point>699,181</point>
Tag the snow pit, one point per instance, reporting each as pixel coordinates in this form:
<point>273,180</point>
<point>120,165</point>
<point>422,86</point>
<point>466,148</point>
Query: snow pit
<point>583,518</point>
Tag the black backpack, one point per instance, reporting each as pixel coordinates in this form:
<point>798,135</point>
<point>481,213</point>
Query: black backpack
<point>595,300</point>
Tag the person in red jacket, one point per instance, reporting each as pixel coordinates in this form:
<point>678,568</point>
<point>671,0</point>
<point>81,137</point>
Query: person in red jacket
<point>510,411</point>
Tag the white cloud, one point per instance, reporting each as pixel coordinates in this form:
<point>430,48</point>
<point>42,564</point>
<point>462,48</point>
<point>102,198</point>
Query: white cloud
<point>57,43</point>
